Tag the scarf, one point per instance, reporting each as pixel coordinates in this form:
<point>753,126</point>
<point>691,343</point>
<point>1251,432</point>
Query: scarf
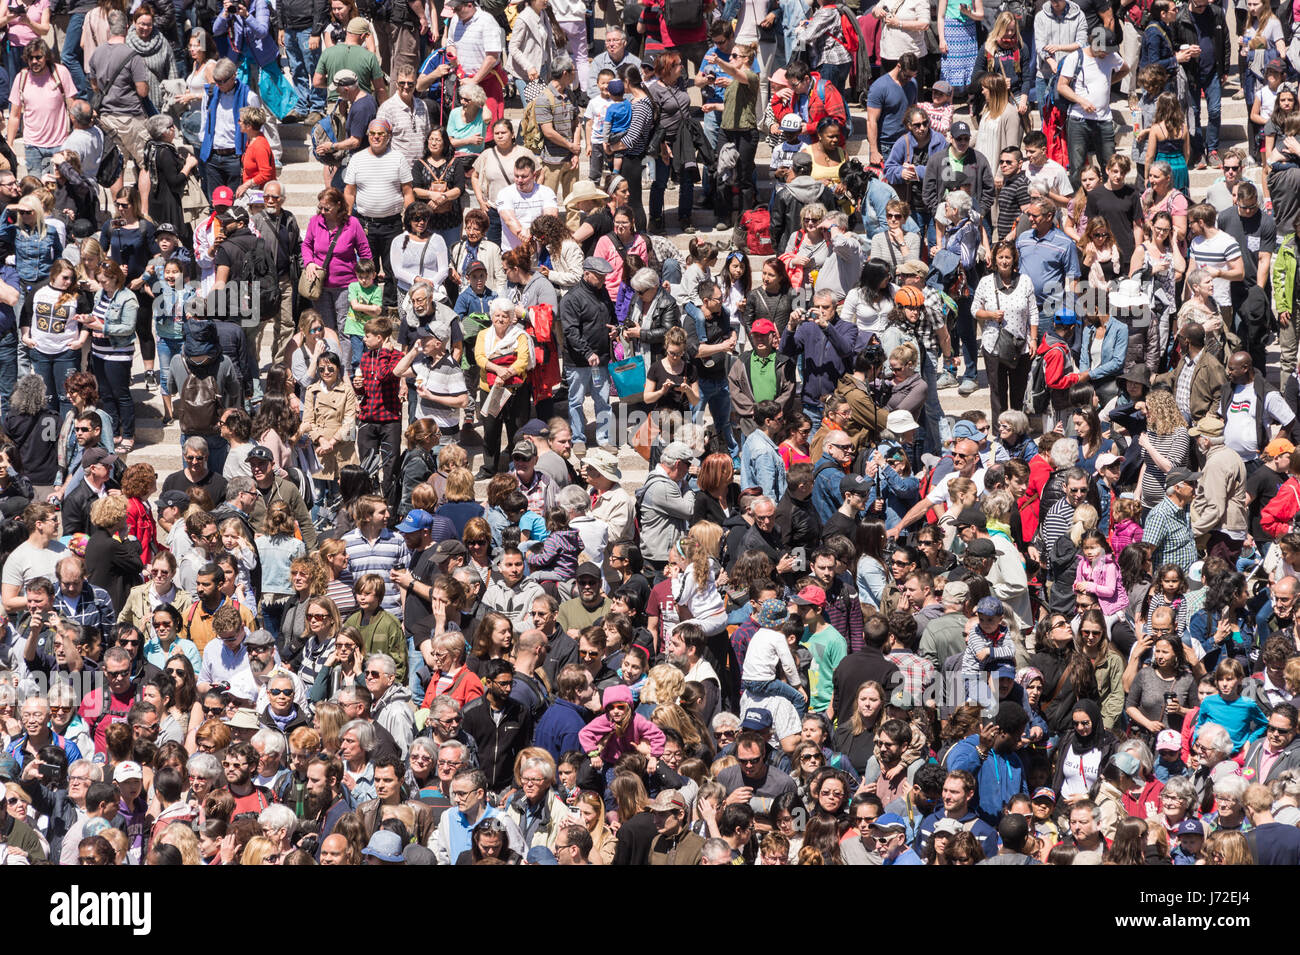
<point>157,55</point>
<point>1086,744</point>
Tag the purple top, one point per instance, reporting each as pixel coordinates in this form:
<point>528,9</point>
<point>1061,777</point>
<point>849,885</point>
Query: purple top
<point>350,248</point>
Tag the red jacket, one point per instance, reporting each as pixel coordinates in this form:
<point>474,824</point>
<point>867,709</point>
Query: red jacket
<point>1147,802</point>
<point>823,100</point>
<point>1277,515</point>
<point>140,524</point>
<point>1053,352</point>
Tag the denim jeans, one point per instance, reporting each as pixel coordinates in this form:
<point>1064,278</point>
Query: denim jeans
<point>814,410</point>
<point>167,347</point>
<point>716,395</point>
<point>837,74</point>
<point>685,193</point>
<point>54,371</point>
<point>775,688</point>
<point>8,367</point>
<point>595,381</point>
<point>114,379</point>
<point>1088,137</point>
<point>218,448</point>
<point>222,171</point>
<point>70,56</point>
<point>1205,138</point>
<point>38,158</point>
<point>969,342</point>
<point>302,62</point>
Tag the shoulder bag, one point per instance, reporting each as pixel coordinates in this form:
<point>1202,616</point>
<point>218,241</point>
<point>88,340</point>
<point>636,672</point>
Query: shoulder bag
<point>1007,348</point>
<point>312,284</point>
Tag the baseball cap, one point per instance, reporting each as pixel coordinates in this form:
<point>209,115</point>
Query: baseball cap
<point>945,826</point>
<point>98,456</point>
<point>957,130</point>
<point>616,88</point>
<point>955,591</point>
<point>259,638</point>
<point>942,86</point>
<point>346,77</point>
<point>854,484</point>
<point>524,449</point>
<point>224,195</point>
<point>791,123</point>
<point>989,606</point>
<point>417,519</point>
<point>802,162</point>
<point>968,429</point>
<point>594,263</point>
<point>981,547</point>
<point>811,596</point>
<point>771,613</point>
<point>1006,671</point>
<point>476,264</point>
<point>448,549</point>
<point>173,499</point>
<point>359,26</point>
<point>1126,763</point>
<point>588,569</point>
<point>234,214</point>
<point>259,452</point>
<point>1168,741</point>
<point>1278,446</point>
<point>667,801</point>
<point>165,228</point>
<point>756,719</point>
<point>1181,476</point>
<point>901,422</point>
<point>763,326</point>
<point>1275,66</point>
<point>1191,827</point>
<point>972,515</point>
<point>534,428</point>
<point>890,822</point>
<point>128,769</point>
<point>1106,459</point>
<point>384,845</point>
<point>1045,792</point>
<point>1066,316</point>
<point>675,453</point>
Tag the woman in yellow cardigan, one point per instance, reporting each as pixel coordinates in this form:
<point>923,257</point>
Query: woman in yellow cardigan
<point>504,353</point>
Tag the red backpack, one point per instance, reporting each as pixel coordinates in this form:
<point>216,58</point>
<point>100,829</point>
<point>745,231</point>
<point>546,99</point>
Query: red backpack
<point>756,226</point>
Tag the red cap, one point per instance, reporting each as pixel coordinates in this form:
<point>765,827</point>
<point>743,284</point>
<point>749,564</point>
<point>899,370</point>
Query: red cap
<point>223,196</point>
<point>811,596</point>
<point>762,327</point>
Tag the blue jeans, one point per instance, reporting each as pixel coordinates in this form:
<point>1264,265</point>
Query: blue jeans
<point>302,62</point>
<point>837,74</point>
<point>1205,138</point>
<point>114,379</point>
<point>358,345</point>
<point>167,347</point>
<point>54,371</point>
<point>1088,137</point>
<point>71,54</point>
<point>775,688</point>
<point>685,194</point>
<point>969,343</point>
<point>715,394</point>
<point>596,381</point>
<point>222,171</point>
<point>38,158</point>
<point>8,366</point>
<point>814,409</point>
<point>218,448</point>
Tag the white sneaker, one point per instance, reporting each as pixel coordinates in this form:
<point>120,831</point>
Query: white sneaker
<point>946,380</point>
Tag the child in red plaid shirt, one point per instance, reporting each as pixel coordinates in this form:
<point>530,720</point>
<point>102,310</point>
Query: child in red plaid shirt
<point>379,393</point>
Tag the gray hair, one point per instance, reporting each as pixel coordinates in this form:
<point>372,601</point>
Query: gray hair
<point>118,23</point>
<point>205,765</point>
<point>474,93</point>
<point>1216,737</point>
<point>1065,453</point>
<point>960,200</point>
<point>1161,165</point>
<point>1017,421</point>
<point>240,485</point>
<point>611,31</point>
<point>725,721</point>
<point>455,744</point>
<point>196,444</point>
<point>1181,788</point>
<point>1090,806</point>
<point>716,851</point>
<point>272,740</point>
<point>278,816</point>
<point>573,499</point>
<point>1231,787</point>
<point>644,280</point>
<point>1287,784</point>
<point>561,64</point>
<point>223,70</point>
<point>444,702</point>
<point>544,766</point>
<point>28,396</point>
<point>364,732</point>
<point>501,304</point>
<point>157,125</point>
<point>81,113</point>
<point>96,769</point>
<point>1136,748</point>
<point>1197,275</point>
<point>425,745</point>
<point>383,661</point>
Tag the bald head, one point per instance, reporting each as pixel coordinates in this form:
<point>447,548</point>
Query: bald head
<point>966,455</point>
<point>334,850</point>
<point>1240,368</point>
<point>532,641</point>
<point>1162,618</point>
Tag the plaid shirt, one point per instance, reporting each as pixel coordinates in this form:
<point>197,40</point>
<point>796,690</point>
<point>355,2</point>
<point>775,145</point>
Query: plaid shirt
<point>933,317</point>
<point>93,607</point>
<point>918,672</point>
<point>1169,528</point>
<point>379,394</point>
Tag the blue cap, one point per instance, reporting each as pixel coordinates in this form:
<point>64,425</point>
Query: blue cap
<point>771,613</point>
<point>385,846</point>
<point>1191,827</point>
<point>1066,316</point>
<point>968,429</point>
<point>540,855</point>
<point>416,520</point>
<point>891,821</point>
<point>1006,672</point>
<point>990,606</point>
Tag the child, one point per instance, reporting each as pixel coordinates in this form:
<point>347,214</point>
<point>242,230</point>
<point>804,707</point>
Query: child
<point>1239,715</point>
<point>598,124</point>
<point>169,246</point>
<point>1168,762</point>
<point>987,644</point>
<point>473,306</point>
<point>1169,589</point>
<point>379,401</point>
<point>170,305</point>
<point>1265,100</point>
<point>701,257</point>
<point>365,301</point>
<point>633,670</point>
<point>694,586</point>
<point>618,117</point>
<point>1097,573</point>
<point>826,644</point>
<point>940,108</point>
<point>1191,838</point>
<point>1042,806</point>
<point>783,153</point>
<point>618,730</point>
<point>557,557</point>
<point>277,548</point>
<point>1126,529</point>
<point>767,650</point>
<point>234,538</point>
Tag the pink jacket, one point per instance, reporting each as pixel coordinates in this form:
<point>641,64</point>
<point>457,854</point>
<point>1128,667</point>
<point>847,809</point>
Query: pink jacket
<point>1123,534</point>
<point>590,736</point>
<point>351,247</point>
<point>1102,579</point>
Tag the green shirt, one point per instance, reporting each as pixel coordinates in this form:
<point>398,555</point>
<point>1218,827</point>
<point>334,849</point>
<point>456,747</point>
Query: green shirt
<point>762,376</point>
<point>740,104</point>
<point>349,56</point>
<point>828,648</point>
<point>356,324</point>
<point>383,634</point>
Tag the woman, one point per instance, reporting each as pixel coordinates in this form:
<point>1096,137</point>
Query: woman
<point>333,244</point>
<point>258,162</point>
<point>112,559</point>
<point>36,246</point>
<point>857,739</point>
<point>171,309</point>
<point>1177,803</point>
<point>1165,445</point>
<point>467,124</point>
<point>591,810</point>
<point>1161,196</point>
<point>41,94</point>
<point>794,447</point>
<point>1288,101</point>
<point>1159,253</point>
<point>909,388</point>
<point>1162,694</point>
<point>828,152</point>
<point>1075,219</point>
<point>1067,674</point>
<point>139,483</point>
<point>458,503</point>
<point>1007,55</point>
<point>502,354</point>
<point>1260,41</point>
<point>164,176</point>
<point>1000,122</point>
<point>55,337</point>
<point>493,640</point>
<point>165,648</point>
<point>276,427</point>
<point>718,495</point>
<point>303,352</point>
<point>342,13</point>
<point>595,223</point>
<point>1227,847</point>
<point>956,231</point>
<point>1223,628</point>
<point>156,52</point>
<point>559,257</point>
<point>201,57</point>
<point>307,580</point>
<point>619,247</point>
<point>128,240</point>
<point>871,576</point>
<point>439,181</point>
<point>1087,431</point>
<point>1170,140</point>
<point>1108,666</point>
<point>957,45</point>
<point>1082,752</point>
<point>531,49</point>
<point>494,171</point>
<point>895,245</point>
<point>419,461</point>
<point>672,386</point>
<point>29,421</point>
<point>418,254</point>
<point>329,419</point>
<point>868,303</point>
<point>113,326</point>
<point>669,94</point>
<point>1005,302</point>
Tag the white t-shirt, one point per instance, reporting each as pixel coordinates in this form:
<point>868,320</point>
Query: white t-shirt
<point>222,666</point>
<point>525,208</point>
<point>1216,253</point>
<point>597,107</point>
<point>1239,429</point>
<point>444,379</point>
<point>785,718</point>
<point>939,493</point>
<point>26,563</point>
<point>379,181</point>
<point>475,39</point>
<point>1093,83</point>
<point>751,12</point>
<point>1051,175</point>
<point>54,327</point>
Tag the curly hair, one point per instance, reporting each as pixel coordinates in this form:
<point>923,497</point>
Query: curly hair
<point>1163,416</point>
<point>139,480</point>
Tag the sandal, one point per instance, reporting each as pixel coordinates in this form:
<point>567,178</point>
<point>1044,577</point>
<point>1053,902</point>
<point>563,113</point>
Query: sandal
<point>125,446</point>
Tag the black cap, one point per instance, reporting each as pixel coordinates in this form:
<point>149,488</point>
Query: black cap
<point>260,452</point>
<point>173,499</point>
<point>981,547</point>
<point>972,516</point>
<point>588,569</point>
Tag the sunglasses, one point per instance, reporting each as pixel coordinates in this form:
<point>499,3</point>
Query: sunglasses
<point>280,692</point>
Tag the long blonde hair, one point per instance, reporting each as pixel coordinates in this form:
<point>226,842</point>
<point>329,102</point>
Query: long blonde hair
<point>998,93</point>
<point>695,554</point>
<point>1085,519</point>
<point>1006,21</point>
<point>30,203</point>
<point>1265,14</point>
<point>600,832</point>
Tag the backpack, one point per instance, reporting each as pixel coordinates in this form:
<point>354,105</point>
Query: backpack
<point>530,132</point>
<point>679,14</point>
<point>1037,393</point>
<point>442,95</point>
<point>848,37</point>
<point>848,116</point>
<point>392,486</point>
<point>199,404</point>
<point>756,227</point>
<point>258,266</point>
<point>328,129</point>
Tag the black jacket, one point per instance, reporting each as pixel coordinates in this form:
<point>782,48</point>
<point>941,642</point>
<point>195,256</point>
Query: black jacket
<point>584,313</point>
<point>1185,34</point>
<point>76,511</point>
<point>798,524</point>
<point>1290,759</point>
<point>55,804</point>
<point>113,564</point>
<point>663,314</point>
<point>304,15</point>
<point>498,743</point>
<point>235,347</point>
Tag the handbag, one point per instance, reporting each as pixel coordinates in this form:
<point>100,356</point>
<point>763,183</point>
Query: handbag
<point>311,285</point>
<point>628,378</point>
<point>1007,348</point>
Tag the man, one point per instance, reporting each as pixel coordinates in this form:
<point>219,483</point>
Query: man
<point>1250,410</point>
<point>889,99</point>
<point>1263,485</point>
<point>1060,515</point>
<point>922,796</point>
<point>238,763</point>
<point>754,781</point>
<point>559,119</point>
<point>826,645</point>
<point>302,22</point>
<point>269,489</point>
<point>111,702</point>
<point>675,844</point>
<point>1059,27</point>
<point>199,619</point>
<point>398,28</point>
<point>36,557</point>
<point>279,227</point>
<point>958,790</point>
<point>907,161</point>
<point>1272,842</point>
<point>1218,511</point>
<point>227,659</point>
<point>923,601</point>
<point>561,649</point>
<point>854,489</point>
<point>1168,526</point>
<point>760,462</point>
<point>586,316</point>
<point>1280,623</point>
<point>530,686</point>
<point>241,497</point>
<point>374,548</point>
<point>523,201</point>
<point>989,755</point>
<point>764,537</point>
<point>616,54</point>
<point>863,666</point>
<point>37,733</point>
<point>761,375</point>
<point>589,606</point>
<point>469,789</point>
<point>479,47</point>
<point>1119,203</point>
<point>665,505</point>
<point>573,842</point>
<point>842,609</point>
<point>85,140</point>
<point>118,73</point>
<point>797,523</point>
<point>1218,253</point>
<point>789,198</point>
<point>201,357</point>
<point>813,99</point>
<point>1013,192</point>
<point>392,708</point>
<point>231,298</point>
<point>511,593</point>
<point>362,108</point>
<point>97,481</point>
<point>860,415</point>
<point>890,834</point>
<point>500,725</point>
<point>1085,80</point>
<point>966,462</point>
<point>829,474</point>
<point>1201,26</point>
<point>1277,751</point>
<point>946,171</point>
<point>377,190</point>
<point>710,344</point>
<point>351,56</point>
<point>224,140</point>
<point>196,472</point>
<point>1198,379</point>
<point>945,635</point>
<point>536,485</point>
<point>389,774</point>
<point>1256,235</point>
<point>1049,257</point>
<point>557,730</point>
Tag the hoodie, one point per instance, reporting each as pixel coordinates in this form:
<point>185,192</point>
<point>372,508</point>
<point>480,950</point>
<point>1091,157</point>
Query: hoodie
<point>788,201</point>
<point>997,777</point>
<point>600,737</point>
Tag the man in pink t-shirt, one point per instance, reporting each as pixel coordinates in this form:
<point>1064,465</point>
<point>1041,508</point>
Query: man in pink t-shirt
<point>40,98</point>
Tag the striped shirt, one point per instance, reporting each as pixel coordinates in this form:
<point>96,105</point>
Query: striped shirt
<point>386,553</point>
<point>1169,528</point>
<point>100,345</point>
<point>1057,522</point>
<point>1215,252</point>
<point>445,380</point>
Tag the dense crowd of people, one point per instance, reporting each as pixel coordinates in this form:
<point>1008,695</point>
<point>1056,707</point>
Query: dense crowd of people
<point>401,604</point>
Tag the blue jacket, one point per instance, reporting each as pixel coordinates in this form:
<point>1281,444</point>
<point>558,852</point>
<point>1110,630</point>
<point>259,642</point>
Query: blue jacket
<point>997,778</point>
<point>1157,47</point>
<point>761,465</point>
<point>210,126</point>
<point>1113,349</point>
<point>68,746</point>
<point>33,254</point>
<point>900,493</point>
<point>827,354</point>
<point>905,147</point>
<point>557,730</point>
<point>252,34</point>
<point>981,830</point>
<point>826,494</point>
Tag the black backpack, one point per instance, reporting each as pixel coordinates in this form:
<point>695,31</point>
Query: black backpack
<point>258,266</point>
<point>198,406</point>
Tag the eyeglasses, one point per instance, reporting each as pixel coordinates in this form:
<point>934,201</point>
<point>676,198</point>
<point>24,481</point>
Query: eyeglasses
<point>810,758</point>
<point>81,428</point>
<point>921,125</point>
<point>450,763</point>
<point>128,643</point>
<point>894,215</point>
<point>118,674</point>
<point>122,205</point>
<point>1091,633</point>
<point>1234,167</point>
<point>1280,730</point>
<point>233,763</point>
<point>280,692</point>
<point>406,86</point>
<point>375,673</point>
<point>476,542</point>
<point>749,762</point>
<point>588,654</point>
